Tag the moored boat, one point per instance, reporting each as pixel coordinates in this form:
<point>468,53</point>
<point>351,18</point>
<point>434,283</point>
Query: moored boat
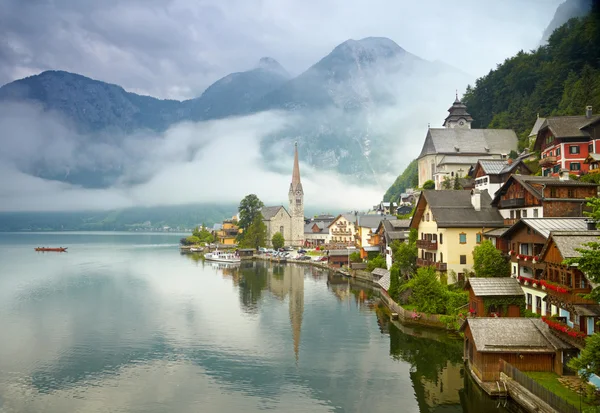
<point>47,249</point>
<point>222,256</point>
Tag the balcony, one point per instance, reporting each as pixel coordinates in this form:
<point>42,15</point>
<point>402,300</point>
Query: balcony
<point>440,266</point>
<point>512,203</point>
<point>425,244</point>
<point>548,160</point>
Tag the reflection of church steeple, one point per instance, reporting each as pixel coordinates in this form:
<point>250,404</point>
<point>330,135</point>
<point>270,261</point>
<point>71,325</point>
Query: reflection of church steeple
<point>296,307</point>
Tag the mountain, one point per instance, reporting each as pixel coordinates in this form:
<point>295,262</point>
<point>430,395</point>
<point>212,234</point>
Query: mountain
<point>408,179</point>
<point>565,11</point>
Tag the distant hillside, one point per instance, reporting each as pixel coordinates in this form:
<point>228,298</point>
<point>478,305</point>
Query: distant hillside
<point>408,179</point>
<point>561,78</point>
<point>565,12</point>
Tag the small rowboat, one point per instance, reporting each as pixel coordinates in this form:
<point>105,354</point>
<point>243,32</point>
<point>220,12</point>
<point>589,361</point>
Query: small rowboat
<point>44,249</point>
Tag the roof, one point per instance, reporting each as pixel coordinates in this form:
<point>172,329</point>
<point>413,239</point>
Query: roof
<point>370,248</point>
<point>381,272</point>
<point>533,184</point>
<point>587,309</point>
<point>452,208</point>
<point>544,226</point>
<point>487,287</point>
<point>568,241</point>
<point>384,281</point>
<point>320,224</point>
<point>513,335</point>
<point>536,126</point>
<point>469,141</point>
<point>324,218</point>
<point>269,212</point>
<point>592,157</point>
<point>461,160</point>
<point>500,166</point>
<point>372,220</point>
<point>496,232</point>
<point>340,253</point>
<point>568,126</point>
<point>395,229</point>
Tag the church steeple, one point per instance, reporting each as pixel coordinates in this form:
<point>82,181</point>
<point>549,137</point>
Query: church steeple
<point>296,171</point>
<point>296,198</point>
<point>458,116</point>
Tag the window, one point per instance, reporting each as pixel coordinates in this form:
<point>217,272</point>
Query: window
<point>538,305</point>
<point>463,259</point>
<point>556,169</point>
<point>558,151</point>
<point>452,174</point>
<point>462,238</point>
<point>571,193</point>
<point>478,238</point>
<point>575,166</point>
<point>524,213</point>
<point>441,238</point>
<point>528,299</point>
<point>574,149</point>
<point>512,214</point>
<point>590,148</point>
<point>535,213</point>
<point>548,308</point>
<point>524,249</point>
<point>552,192</point>
<point>441,257</point>
<point>427,217</point>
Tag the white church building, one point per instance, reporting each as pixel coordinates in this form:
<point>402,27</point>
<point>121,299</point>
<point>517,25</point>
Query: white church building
<point>290,222</point>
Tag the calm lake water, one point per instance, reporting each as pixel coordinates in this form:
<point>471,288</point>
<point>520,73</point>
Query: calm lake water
<point>125,323</point>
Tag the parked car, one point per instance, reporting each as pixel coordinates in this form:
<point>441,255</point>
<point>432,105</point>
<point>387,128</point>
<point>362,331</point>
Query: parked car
<point>301,251</point>
<point>281,250</point>
<point>323,258</point>
<point>288,248</point>
<point>305,258</point>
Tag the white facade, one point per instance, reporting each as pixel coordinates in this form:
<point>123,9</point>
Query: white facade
<point>483,183</point>
<point>518,213</point>
<point>342,230</point>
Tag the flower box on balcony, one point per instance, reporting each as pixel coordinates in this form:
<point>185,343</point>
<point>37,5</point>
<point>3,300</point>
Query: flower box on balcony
<point>563,328</point>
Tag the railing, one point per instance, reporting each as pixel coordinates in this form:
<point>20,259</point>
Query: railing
<point>548,160</point>
<point>440,266</point>
<point>556,402</point>
<point>512,203</point>
<point>425,244</point>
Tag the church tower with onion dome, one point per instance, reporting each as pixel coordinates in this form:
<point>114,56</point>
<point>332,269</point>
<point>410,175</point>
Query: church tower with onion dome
<point>458,116</point>
<point>296,209</point>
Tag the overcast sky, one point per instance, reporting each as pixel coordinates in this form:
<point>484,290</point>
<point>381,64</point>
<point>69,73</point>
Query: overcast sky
<point>176,48</point>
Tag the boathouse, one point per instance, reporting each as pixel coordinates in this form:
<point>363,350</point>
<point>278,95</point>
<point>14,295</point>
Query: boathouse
<point>526,343</point>
<point>495,297</point>
<point>339,258</point>
<point>246,253</point>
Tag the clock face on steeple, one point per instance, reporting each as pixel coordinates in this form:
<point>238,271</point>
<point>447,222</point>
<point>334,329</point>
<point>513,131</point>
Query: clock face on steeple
<point>461,122</point>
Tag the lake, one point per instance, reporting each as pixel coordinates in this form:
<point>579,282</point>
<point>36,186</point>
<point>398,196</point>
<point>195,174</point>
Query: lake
<point>125,323</point>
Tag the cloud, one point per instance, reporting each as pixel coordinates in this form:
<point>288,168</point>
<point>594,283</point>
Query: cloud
<point>176,48</point>
<point>204,162</point>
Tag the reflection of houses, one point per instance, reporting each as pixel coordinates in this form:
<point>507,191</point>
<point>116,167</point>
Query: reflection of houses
<point>445,390</point>
<point>342,229</point>
<point>538,196</point>
<point>367,237</point>
<point>490,174</point>
<point>452,150</point>
<point>494,297</point>
<point>526,343</point>
<point>291,285</point>
<point>450,225</point>
<point>390,230</point>
<point>566,286</point>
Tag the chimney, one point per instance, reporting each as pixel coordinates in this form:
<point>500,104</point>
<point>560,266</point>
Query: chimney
<point>563,175</point>
<point>476,199</point>
<point>588,112</point>
<point>509,161</point>
<point>591,224</point>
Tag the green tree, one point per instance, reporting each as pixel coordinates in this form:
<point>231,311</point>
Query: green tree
<point>395,282</point>
<point>355,257</point>
<point>249,209</point>
<point>192,240</point>
<point>203,234</point>
<point>377,262</point>
<point>428,294</point>
<point>278,241</point>
<point>405,254</point>
<point>513,154</point>
<point>489,262</point>
<point>447,183</point>
<point>429,184</point>
<point>256,234</point>
<point>408,179</point>
<point>588,362</point>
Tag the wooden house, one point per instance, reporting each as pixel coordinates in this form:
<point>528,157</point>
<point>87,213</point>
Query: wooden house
<point>526,343</point>
<point>388,231</point>
<point>528,196</point>
<point>566,286</point>
<point>339,258</point>
<point>246,253</point>
<point>494,297</point>
<point>490,174</point>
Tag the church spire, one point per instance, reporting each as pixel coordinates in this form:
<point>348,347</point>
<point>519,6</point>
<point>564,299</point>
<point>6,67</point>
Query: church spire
<point>296,172</point>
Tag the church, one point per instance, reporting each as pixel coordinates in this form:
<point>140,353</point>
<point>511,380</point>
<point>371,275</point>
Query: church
<point>451,150</point>
<point>290,222</point>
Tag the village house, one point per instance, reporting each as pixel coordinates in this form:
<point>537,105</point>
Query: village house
<point>339,258</point>
<point>409,197</point>
<point>228,232</point>
<point>525,343</point>
<point>453,149</point>
<point>450,225</point>
<point>491,174</point>
<point>536,128</point>
<point>528,196</point>
<point>386,208</point>
<point>342,230</point>
<point>566,286</point>
<point>316,233</point>
<point>526,240</point>
<point>390,230</point>
<point>494,297</point>
<point>367,237</point>
<point>565,142</point>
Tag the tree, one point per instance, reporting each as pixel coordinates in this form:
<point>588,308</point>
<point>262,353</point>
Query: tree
<point>249,208</point>
<point>446,183</point>
<point>203,234</point>
<point>489,262</point>
<point>256,234</point>
<point>513,154</point>
<point>377,262</point>
<point>405,254</point>
<point>394,289</point>
<point>457,185</point>
<point>428,294</point>
<point>355,257</point>
<point>191,240</point>
<point>588,362</point>
<point>278,241</point>
<point>429,184</point>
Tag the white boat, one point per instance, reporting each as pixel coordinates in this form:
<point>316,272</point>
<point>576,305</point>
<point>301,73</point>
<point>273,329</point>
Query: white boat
<point>222,256</point>
<point>194,249</point>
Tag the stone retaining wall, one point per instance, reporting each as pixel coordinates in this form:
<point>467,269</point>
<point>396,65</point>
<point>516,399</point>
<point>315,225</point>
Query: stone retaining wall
<point>431,320</point>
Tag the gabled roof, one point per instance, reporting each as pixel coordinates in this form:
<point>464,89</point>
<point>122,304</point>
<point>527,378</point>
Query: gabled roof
<point>270,211</point>
<point>513,335</point>
<point>341,253</point>
<point>384,281</point>
<point>469,141</point>
<point>592,157</point>
<point>536,126</point>
<point>568,241</point>
<point>308,228</point>
<point>462,160</point>
<point>372,220</point>
<point>500,166</point>
<point>544,226</point>
<point>534,184</point>
<point>453,209</point>
<point>348,217</point>
<point>488,287</point>
<point>394,229</point>
<point>565,127</point>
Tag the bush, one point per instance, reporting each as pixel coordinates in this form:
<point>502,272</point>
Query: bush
<point>278,241</point>
<point>429,184</point>
<point>377,262</point>
<point>355,257</point>
<point>192,240</point>
<point>428,294</point>
<point>489,262</point>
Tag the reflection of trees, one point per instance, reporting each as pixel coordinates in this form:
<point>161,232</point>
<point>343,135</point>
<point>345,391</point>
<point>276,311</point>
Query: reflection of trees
<point>253,281</point>
<point>278,271</point>
<point>427,356</point>
<point>474,400</point>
